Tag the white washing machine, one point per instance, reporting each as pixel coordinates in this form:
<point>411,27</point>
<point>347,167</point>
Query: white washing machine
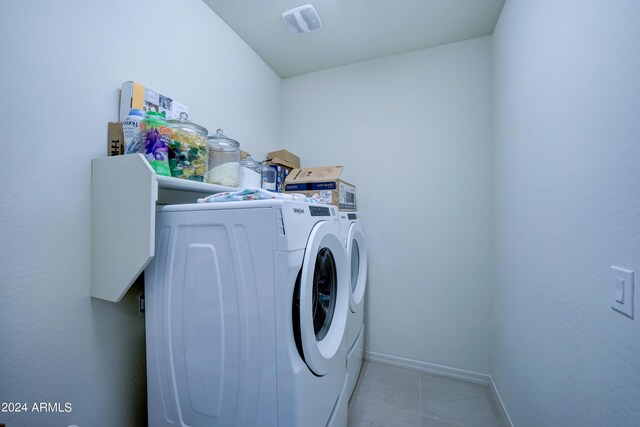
<point>354,241</point>
<point>246,308</point>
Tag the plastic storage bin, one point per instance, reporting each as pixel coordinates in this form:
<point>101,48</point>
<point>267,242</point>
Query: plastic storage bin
<point>268,178</point>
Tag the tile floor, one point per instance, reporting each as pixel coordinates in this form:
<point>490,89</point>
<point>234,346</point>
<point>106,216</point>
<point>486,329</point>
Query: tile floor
<point>389,396</point>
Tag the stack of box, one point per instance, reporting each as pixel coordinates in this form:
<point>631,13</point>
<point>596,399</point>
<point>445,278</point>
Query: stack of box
<point>325,182</point>
<point>134,95</point>
<point>283,162</point>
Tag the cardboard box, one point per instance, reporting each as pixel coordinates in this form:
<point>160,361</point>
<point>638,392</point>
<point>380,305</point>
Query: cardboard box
<point>324,181</point>
<point>243,155</point>
<point>134,95</point>
<point>115,142</point>
<point>284,158</point>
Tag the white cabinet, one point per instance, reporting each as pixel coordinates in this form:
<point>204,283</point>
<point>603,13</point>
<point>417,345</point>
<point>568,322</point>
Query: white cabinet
<point>124,194</point>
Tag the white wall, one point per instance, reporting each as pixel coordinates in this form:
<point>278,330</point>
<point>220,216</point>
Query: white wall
<point>61,69</point>
<point>567,126</point>
<point>413,132</point>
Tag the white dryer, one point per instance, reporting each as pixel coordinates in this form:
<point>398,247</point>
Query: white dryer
<point>354,241</point>
<point>246,308</point>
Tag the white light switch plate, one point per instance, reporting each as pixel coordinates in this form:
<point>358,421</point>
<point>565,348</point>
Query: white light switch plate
<point>622,290</point>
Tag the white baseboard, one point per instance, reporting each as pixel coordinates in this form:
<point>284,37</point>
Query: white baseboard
<point>428,367</point>
<point>444,371</point>
<point>500,403</point>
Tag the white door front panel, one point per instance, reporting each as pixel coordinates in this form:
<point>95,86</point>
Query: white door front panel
<point>324,296</point>
<point>210,321</point>
<point>357,252</point>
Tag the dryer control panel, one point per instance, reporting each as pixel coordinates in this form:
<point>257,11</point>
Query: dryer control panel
<point>320,211</point>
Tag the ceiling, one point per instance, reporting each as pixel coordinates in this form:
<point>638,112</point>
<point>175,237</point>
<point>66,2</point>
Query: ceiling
<point>354,30</point>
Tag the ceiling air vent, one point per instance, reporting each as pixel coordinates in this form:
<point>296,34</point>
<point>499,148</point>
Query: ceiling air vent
<point>303,19</point>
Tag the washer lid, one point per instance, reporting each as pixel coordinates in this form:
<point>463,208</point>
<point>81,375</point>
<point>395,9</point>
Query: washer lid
<point>357,254</point>
<point>324,296</point>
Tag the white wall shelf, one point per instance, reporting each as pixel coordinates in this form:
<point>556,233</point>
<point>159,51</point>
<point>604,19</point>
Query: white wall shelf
<point>124,194</point>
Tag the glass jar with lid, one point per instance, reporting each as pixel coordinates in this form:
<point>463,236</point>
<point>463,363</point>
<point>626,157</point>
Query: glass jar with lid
<point>224,160</point>
<point>188,149</point>
<point>250,173</point>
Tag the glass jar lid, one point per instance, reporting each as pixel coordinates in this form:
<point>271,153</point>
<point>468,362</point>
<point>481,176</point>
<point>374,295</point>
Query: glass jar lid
<point>183,124</point>
<point>221,142</point>
<point>250,163</point>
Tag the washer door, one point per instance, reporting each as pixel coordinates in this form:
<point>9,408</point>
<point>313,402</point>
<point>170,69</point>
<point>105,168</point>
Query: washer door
<point>324,296</point>
<point>357,252</point>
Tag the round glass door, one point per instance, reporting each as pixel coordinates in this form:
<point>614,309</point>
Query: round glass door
<point>357,251</point>
<point>355,265</point>
<point>323,297</point>
<point>324,294</point>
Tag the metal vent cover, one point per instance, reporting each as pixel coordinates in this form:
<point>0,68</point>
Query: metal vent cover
<point>303,19</point>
